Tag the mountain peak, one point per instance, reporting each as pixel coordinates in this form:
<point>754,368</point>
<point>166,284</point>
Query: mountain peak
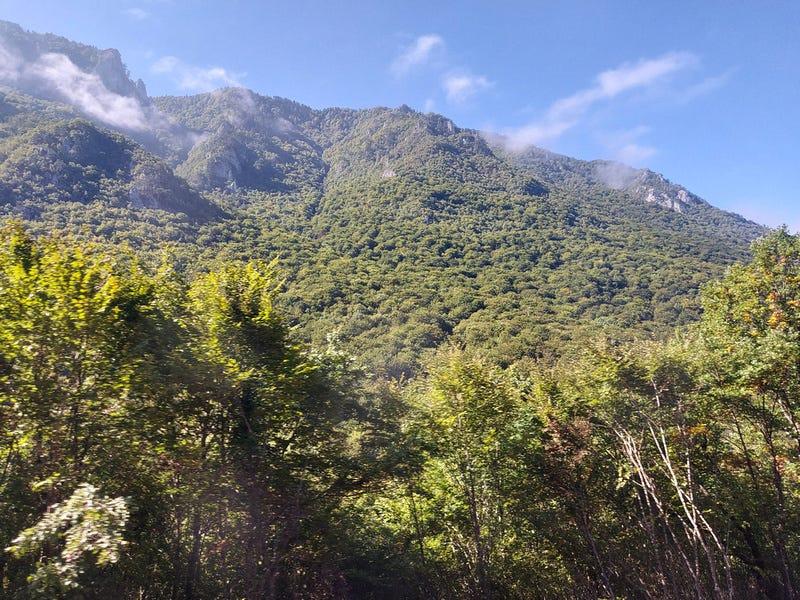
<point>95,82</point>
<point>234,138</point>
<point>98,86</point>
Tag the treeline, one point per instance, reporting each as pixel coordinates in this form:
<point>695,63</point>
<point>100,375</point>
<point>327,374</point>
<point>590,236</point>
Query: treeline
<point>165,438</point>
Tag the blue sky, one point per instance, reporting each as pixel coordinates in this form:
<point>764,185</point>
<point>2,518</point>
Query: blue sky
<point>706,92</point>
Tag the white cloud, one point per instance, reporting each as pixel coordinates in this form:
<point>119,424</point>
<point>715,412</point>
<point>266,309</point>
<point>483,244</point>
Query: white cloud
<point>417,54</point>
<point>137,13</point>
<point>711,84</point>
<point>616,175</point>
<point>634,154</point>
<point>624,146</point>
<point>88,93</point>
<point>567,113</point>
<point>643,73</point>
<point>10,64</point>
<point>537,133</point>
<point>460,88</point>
<point>85,91</point>
<point>190,77</point>
<point>457,83</point>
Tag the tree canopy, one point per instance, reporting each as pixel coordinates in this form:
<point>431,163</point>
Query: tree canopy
<point>170,438</point>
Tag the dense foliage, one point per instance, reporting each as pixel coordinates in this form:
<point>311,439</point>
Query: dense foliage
<point>395,229</point>
<point>168,439</point>
<point>190,402</point>
<point>558,391</point>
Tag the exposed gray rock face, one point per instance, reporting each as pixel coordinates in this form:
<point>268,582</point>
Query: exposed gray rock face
<point>114,75</point>
<point>94,83</point>
<point>645,185</point>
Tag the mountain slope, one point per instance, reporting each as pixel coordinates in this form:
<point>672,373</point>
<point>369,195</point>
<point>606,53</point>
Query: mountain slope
<point>574,174</point>
<point>74,161</point>
<point>413,231</point>
<point>397,231</point>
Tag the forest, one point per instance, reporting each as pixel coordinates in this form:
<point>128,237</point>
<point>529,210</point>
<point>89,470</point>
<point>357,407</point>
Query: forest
<point>169,437</point>
<point>251,350</point>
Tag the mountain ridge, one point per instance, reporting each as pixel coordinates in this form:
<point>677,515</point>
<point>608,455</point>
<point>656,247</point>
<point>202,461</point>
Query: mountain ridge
<point>552,167</point>
<point>156,114</point>
<point>397,230</point>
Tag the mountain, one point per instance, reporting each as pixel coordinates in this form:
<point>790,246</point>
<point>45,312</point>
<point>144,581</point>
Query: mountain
<point>74,161</point>
<point>396,231</point>
<point>565,171</point>
<point>95,82</point>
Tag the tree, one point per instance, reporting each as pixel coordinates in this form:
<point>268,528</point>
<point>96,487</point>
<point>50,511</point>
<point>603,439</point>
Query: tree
<point>86,527</point>
<point>751,327</point>
<point>69,351</point>
<point>481,439</point>
<point>232,445</point>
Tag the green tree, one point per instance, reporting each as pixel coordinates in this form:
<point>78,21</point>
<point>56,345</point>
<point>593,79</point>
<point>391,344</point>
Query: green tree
<point>480,439</point>
<point>234,446</point>
<point>70,340</point>
<point>751,327</point>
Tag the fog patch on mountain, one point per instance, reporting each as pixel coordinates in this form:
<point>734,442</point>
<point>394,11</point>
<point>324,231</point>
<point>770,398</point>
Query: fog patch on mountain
<point>55,76</point>
<point>616,175</point>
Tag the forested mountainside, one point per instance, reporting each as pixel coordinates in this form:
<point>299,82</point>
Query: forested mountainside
<point>252,349</point>
<point>397,231</point>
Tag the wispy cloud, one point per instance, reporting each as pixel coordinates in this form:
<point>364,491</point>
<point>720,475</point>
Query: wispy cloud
<point>643,73</point>
<point>460,88</point>
<point>58,75</point>
<point>708,85</point>
<point>10,64</point>
<point>420,52</point>
<point>430,52</point>
<point>88,92</point>
<point>190,77</point>
<point>616,175</point>
<point>625,146</point>
<point>137,13</point>
<point>635,154</point>
<point>567,113</point>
